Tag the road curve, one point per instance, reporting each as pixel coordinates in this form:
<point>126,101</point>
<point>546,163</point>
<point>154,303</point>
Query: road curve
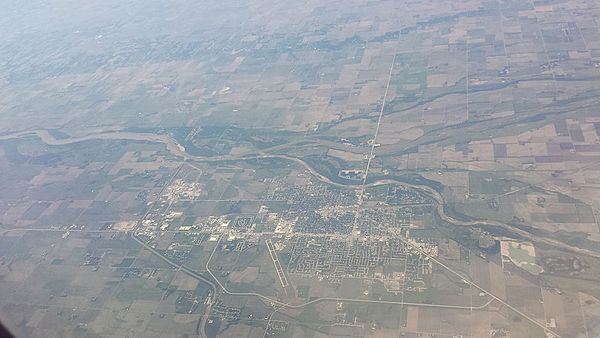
<point>177,149</point>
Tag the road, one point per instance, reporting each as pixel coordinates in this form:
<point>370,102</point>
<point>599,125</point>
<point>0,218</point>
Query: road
<point>185,269</point>
<point>178,150</point>
<point>274,302</point>
<point>478,287</point>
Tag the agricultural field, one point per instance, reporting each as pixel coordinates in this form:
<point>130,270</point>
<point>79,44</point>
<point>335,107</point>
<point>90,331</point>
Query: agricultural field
<point>300,169</point>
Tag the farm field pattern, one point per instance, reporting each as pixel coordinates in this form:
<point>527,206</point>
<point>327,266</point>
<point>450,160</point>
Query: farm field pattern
<point>300,168</point>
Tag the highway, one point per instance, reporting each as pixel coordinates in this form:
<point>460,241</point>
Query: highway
<point>219,286</point>
<point>475,285</point>
<point>179,150</point>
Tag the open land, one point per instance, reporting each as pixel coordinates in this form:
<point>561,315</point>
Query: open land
<point>300,169</point>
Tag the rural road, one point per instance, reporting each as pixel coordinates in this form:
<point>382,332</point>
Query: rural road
<point>176,149</point>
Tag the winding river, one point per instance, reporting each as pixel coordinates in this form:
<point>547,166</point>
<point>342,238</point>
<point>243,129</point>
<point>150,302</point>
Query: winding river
<point>178,150</point>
